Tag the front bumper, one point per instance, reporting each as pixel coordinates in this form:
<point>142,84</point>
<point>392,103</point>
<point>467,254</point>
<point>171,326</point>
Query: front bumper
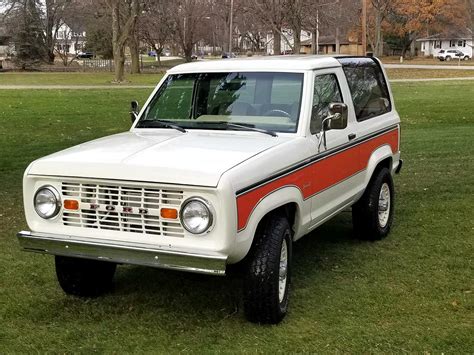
<point>122,253</point>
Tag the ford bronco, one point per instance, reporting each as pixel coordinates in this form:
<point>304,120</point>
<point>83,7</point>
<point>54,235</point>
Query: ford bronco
<point>228,162</point>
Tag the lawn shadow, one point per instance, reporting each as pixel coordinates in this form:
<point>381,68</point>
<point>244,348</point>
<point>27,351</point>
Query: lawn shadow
<point>179,292</point>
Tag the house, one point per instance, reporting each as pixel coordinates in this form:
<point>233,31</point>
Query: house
<point>70,40</point>
<point>287,41</point>
<point>5,44</point>
<point>349,45</point>
<point>451,39</point>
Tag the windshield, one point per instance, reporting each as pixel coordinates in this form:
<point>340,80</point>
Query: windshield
<point>267,101</point>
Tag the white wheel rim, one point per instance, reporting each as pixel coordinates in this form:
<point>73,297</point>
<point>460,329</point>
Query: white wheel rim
<point>384,205</point>
<point>283,271</point>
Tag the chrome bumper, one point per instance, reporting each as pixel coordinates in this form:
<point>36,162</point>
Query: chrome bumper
<point>123,253</point>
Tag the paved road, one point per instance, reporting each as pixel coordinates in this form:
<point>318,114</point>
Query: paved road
<point>73,87</point>
<point>429,79</point>
<point>431,67</point>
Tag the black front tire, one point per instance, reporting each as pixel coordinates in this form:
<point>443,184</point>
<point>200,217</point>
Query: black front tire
<point>365,213</point>
<point>262,301</point>
<point>84,277</point>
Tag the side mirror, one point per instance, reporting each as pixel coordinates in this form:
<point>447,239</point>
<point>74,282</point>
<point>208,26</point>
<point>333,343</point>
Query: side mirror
<point>338,116</point>
<point>134,110</point>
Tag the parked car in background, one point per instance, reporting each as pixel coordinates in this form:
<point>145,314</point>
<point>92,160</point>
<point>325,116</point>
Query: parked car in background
<point>447,55</point>
<point>166,53</point>
<point>227,55</point>
<point>85,55</point>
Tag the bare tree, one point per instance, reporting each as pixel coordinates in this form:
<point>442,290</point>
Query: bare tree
<point>272,13</point>
<point>156,25</point>
<point>124,19</point>
<point>295,17</point>
<point>188,17</point>
<point>378,11</point>
<point>330,17</point>
<point>55,11</point>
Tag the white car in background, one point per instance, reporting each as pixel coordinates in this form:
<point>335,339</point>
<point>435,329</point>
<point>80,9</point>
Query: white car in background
<point>450,54</point>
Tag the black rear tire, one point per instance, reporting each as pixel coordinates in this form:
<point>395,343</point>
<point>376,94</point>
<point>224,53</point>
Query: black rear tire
<point>84,277</point>
<point>263,276</point>
<point>366,213</point>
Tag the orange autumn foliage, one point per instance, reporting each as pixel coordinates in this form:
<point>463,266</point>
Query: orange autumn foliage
<point>427,17</point>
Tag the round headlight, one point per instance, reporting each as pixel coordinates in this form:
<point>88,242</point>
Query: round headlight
<point>196,215</point>
<point>47,202</point>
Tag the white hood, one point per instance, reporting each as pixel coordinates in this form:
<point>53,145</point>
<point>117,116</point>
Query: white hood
<point>165,156</point>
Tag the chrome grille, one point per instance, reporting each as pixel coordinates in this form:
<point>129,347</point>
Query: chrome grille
<point>124,208</point>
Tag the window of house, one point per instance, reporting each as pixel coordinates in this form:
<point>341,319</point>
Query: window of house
<point>452,43</point>
<point>326,91</point>
<point>461,43</point>
<point>437,44</point>
<point>368,87</point>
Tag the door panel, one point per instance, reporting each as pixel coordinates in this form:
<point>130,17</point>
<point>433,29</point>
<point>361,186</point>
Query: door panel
<point>333,175</point>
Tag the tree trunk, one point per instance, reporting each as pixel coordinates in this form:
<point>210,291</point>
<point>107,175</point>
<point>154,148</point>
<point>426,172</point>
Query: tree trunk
<point>135,55</point>
<point>338,43</point>
<point>119,64</point>
<point>296,40</point>
<point>188,52</point>
<point>49,35</point>
<point>276,42</point>
<point>120,34</point>
<point>378,33</point>
<point>412,48</point>
<point>314,44</point>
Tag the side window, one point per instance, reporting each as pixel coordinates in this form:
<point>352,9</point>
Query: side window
<point>368,87</point>
<point>326,91</point>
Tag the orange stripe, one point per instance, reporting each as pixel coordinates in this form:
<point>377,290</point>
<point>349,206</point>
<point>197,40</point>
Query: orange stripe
<point>314,178</point>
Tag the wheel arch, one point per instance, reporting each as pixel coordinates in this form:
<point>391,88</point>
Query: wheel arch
<point>287,200</point>
<point>380,158</point>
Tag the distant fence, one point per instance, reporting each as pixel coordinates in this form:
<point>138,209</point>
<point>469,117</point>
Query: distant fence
<point>99,64</point>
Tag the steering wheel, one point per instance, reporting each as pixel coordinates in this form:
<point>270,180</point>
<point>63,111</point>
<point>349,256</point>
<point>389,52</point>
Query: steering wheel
<point>280,113</point>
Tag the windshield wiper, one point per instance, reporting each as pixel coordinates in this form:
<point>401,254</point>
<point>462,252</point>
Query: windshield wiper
<point>243,127</point>
<point>250,128</point>
<point>159,123</point>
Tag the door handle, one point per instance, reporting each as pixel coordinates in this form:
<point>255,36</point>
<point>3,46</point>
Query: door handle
<point>351,136</point>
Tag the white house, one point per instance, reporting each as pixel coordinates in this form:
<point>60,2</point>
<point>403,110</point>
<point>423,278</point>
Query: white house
<point>5,44</point>
<point>463,41</point>
<point>287,43</point>
<point>69,39</point>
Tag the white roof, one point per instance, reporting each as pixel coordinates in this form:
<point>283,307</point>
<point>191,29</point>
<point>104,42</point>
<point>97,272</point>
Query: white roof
<point>286,63</point>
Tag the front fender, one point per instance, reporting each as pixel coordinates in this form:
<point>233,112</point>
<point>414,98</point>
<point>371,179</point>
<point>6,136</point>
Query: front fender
<point>274,200</point>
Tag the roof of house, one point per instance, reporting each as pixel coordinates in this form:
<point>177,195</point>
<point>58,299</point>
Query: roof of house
<point>326,40</point>
<point>287,63</point>
<point>450,34</point>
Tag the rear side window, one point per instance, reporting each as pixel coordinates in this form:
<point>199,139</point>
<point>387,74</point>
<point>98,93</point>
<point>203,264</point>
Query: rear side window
<point>368,87</point>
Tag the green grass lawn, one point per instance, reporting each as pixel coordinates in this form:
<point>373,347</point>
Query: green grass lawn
<point>411,292</point>
<point>428,73</point>
<point>100,78</point>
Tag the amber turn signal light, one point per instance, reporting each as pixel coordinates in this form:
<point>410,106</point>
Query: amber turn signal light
<point>71,204</point>
<point>169,213</point>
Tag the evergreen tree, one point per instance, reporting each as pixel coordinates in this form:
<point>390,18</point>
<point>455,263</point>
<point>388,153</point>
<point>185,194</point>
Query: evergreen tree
<point>29,36</point>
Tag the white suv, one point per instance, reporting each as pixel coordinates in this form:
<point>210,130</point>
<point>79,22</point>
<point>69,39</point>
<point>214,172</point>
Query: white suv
<point>228,162</point>
<point>447,55</point>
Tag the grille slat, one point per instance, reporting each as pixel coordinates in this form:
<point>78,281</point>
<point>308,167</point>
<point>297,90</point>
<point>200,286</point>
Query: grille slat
<point>103,205</point>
